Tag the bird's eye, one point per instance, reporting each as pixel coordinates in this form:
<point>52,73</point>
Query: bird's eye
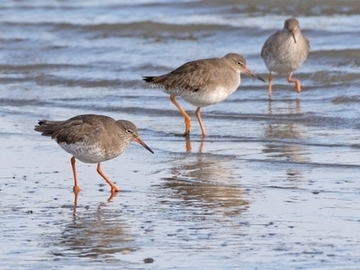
<point>240,63</point>
<point>129,131</point>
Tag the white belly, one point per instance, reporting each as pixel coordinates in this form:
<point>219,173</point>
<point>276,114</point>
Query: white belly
<point>204,98</point>
<point>84,152</point>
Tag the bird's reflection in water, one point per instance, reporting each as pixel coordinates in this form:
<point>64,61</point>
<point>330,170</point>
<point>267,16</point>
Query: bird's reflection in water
<point>95,232</point>
<point>291,153</point>
<point>294,106</point>
<point>284,134</point>
<point>283,131</point>
<point>76,199</point>
<point>207,182</point>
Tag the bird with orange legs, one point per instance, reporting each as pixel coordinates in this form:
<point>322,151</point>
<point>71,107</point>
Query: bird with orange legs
<point>202,83</point>
<point>92,138</point>
<point>285,51</point>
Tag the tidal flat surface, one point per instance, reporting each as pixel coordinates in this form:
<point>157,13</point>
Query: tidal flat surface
<point>275,185</point>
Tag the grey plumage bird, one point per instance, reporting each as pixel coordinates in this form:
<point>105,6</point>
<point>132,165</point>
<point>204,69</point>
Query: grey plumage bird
<point>285,51</point>
<point>92,138</point>
<point>202,83</point>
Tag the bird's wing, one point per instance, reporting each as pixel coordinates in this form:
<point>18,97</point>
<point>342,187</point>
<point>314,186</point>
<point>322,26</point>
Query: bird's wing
<point>190,77</point>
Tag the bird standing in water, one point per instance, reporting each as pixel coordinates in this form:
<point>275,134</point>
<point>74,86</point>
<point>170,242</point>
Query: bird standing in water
<point>202,83</point>
<point>92,138</point>
<point>285,51</point>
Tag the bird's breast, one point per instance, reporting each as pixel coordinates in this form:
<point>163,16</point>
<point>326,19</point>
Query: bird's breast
<point>90,153</point>
<point>286,56</point>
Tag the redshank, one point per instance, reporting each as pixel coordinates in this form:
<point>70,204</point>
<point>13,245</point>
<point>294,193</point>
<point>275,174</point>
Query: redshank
<point>91,138</point>
<point>202,83</point>
<point>285,51</point>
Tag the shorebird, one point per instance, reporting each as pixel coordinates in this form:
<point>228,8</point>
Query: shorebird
<point>92,138</point>
<point>285,51</point>
<point>202,83</point>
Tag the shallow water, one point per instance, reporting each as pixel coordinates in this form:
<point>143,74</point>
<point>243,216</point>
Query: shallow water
<point>275,185</point>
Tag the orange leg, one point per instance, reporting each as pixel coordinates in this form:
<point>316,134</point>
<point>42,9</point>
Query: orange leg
<point>197,112</point>
<point>76,187</point>
<point>184,114</point>
<point>114,188</point>
<point>270,85</point>
<point>297,83</point>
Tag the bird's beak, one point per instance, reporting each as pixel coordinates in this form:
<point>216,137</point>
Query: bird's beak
<point>249,72</point>
<point>293,34</point>
<point>139,141</point>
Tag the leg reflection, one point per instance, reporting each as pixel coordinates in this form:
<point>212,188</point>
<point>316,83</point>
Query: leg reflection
<point>188,145</point>
<point>298,105</point>
<point>112,196</point>
<point>270,110</point>
<point>76,197</point>
<point>76,200</point>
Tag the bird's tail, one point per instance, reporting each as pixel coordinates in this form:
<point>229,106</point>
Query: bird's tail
<point>149,79</point>
<point>47,128</point>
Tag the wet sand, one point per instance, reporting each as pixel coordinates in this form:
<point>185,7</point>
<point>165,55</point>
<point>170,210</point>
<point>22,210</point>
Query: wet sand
<point>275,185</point>
<point>230,203</point>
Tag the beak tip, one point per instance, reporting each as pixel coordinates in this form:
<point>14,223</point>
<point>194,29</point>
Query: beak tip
<point>139,141</point>
<point>259,78</point>
<point>249,72</point>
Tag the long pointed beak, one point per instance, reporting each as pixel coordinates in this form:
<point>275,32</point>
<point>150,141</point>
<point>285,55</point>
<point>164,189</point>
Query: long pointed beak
<point>139,141</point>
<point>293,35</point>
<point>249,72</point>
